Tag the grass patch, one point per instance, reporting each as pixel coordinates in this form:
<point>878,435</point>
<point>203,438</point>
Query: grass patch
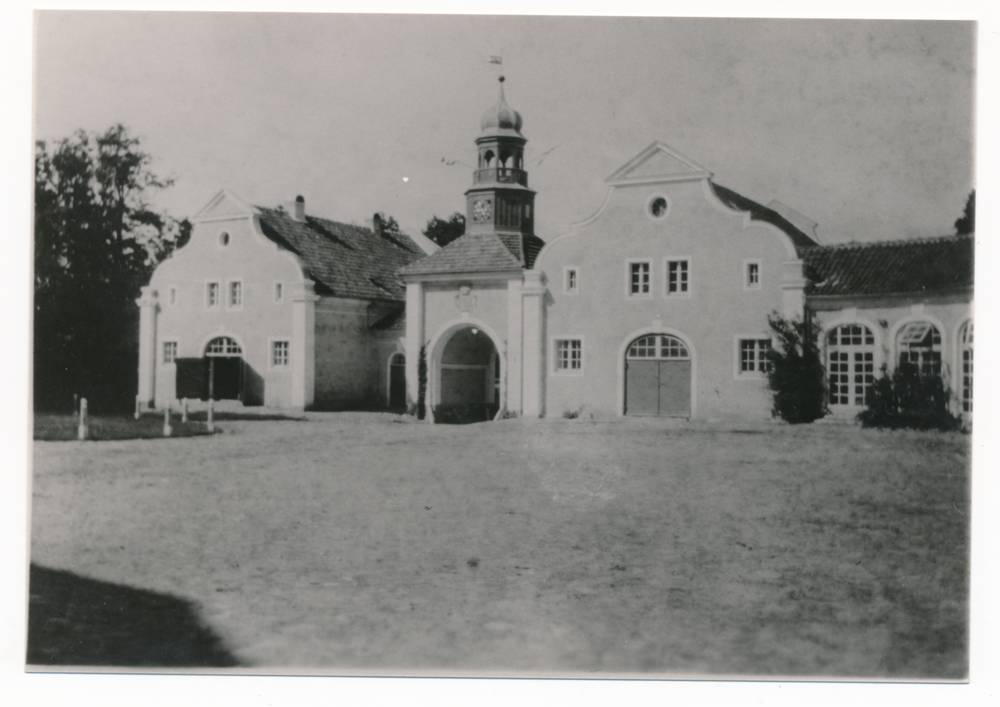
<point>52,428</point>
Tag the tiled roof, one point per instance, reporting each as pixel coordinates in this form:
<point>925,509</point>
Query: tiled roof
<point>480,252</point>
<point>933,265</point>
<point>343,260</point>
<point>762,213</point>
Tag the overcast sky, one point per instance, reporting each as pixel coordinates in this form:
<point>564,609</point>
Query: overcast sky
<point>866,127</point>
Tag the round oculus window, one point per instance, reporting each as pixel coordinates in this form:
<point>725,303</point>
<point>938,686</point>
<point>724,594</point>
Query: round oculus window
<point>224,238</point>
<point>658,207</point>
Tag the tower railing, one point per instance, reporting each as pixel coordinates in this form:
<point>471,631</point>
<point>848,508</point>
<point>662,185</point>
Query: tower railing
<point>503,175</point>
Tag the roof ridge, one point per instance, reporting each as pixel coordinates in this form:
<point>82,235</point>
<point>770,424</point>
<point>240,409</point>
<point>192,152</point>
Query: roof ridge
<point>858,245</point>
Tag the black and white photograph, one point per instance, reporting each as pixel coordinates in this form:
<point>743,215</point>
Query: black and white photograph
<point>502,346</point>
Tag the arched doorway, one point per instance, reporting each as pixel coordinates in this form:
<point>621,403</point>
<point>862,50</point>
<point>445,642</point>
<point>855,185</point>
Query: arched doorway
<point>468,377</point>
<point>219,373</point>
<point>658,377</point>
<point>397,381</point>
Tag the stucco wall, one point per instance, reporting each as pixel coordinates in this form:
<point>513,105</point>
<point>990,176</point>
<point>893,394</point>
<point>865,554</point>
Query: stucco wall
<point>248,257</point>
<point>716,312</point>
<point>488,305</point>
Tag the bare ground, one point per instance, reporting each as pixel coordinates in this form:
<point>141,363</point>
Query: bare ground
<point>349,544</point>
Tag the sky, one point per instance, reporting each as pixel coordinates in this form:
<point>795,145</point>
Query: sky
<point>866,127</point>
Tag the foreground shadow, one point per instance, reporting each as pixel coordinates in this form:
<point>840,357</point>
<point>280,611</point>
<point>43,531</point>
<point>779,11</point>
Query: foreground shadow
<point>77,621</point>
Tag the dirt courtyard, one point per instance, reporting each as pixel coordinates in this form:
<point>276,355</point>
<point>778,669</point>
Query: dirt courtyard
<point>354,544</point>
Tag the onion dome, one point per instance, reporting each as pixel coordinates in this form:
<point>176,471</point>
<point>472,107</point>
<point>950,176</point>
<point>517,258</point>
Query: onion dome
<point>501,119</point>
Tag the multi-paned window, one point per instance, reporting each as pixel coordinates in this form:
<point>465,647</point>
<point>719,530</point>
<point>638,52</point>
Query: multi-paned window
<point>677,277</point>
<point>850,350</point>
<point>223,346</point>
<point>169,351</point>
<point>919,344</point>
<point>639,285</point>
<point>572,282</point>
<point>279,354</point>
<point>235,293</point>
<point>660,346</point>
<point>569,355</point>
<point>753,356</point>
<point>212,295</point>
<point>752,278</point>
<point>966,340</point>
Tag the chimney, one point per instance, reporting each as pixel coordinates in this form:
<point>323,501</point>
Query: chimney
<point>377,224</point>
<point>299,208</point>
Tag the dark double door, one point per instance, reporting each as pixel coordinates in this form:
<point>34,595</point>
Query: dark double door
<point>224,375</point>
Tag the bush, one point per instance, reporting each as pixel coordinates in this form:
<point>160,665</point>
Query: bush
<point>796,376</point>
<point>909,399</point>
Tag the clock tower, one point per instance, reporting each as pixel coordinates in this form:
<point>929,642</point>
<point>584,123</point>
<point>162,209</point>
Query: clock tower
<point>499,200</point>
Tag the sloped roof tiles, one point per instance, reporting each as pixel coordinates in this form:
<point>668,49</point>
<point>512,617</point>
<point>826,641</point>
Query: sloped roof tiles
<point>343,260</point>
<point>925,266</point>
<point>480,252</point>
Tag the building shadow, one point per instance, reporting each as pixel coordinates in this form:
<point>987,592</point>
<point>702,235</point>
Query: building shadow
<point>84,622</point>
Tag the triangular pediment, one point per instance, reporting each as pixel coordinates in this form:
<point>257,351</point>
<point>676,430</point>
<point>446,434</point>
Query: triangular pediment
<point>223,205</point>
<point>658,162</point>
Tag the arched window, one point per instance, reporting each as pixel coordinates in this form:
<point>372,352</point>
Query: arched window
<point>488,159</point>
<point>919,343</point>
<point>223,346</point>
<point>659,346</point>
<point>965,339</point>
<point>850,354</point>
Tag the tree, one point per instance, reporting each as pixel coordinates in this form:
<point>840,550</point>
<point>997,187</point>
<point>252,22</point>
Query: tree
<point>444,232</point>
<point>796,375</point>
<point>967,224</point>
<point>97,240</point>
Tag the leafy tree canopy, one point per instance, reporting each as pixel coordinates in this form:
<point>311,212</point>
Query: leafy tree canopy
<point>967,224</point>
<point>444,232</point>
<point>97,240</point>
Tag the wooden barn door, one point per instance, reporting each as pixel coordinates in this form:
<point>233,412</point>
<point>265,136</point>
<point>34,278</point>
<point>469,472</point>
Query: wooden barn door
<point>658,377</point>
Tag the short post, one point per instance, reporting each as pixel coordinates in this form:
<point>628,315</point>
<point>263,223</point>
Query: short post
<point>167,429</point>
<point>184,414</point>
<point>81,431</point>
<point>211,415</point>
<point>137,407</point>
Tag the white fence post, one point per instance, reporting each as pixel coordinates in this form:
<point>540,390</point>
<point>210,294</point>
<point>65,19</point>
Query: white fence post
<point>184,416</point>
<point>137,407</point>
<point>82,430</point>
<point>211,415</point>
<point>167,429</point>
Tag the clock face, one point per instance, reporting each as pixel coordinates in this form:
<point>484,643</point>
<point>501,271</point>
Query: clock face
<point>482,210</point>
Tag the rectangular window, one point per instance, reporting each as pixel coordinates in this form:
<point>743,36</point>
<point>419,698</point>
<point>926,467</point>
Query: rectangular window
<point>236,294</point>
<point>212,295</point>
<point>169,351</point>
<point>753,356</point>
<point>569,355</point>
<point>279,354</point>
<point>639,278</point>
<point>278,292</point>
<point>752,281</point>
<point>677,277</point>
<point>572,281</point>
<point>173,295</point>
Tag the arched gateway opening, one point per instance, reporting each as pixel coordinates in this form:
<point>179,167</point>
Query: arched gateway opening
<point>658,377</point>
<point>219,374</point>
<point>468,377</point>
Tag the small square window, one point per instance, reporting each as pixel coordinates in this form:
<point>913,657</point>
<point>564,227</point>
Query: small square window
<point>569,355</point>
<point>677,277</point>
<point>752,281</point>
<point>212,294</point>
<point>169,351</point>
<point>572,281</point>
<point>278,292</point>
<point>753,356</point>
<point>639,279</point>
<point>236,294</point>
<point>279,354</point>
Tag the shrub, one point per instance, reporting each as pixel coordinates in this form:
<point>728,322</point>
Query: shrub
<point>422,383</point>
<point>796,375</point>
<point>909,399</point>
<point>573,414</point>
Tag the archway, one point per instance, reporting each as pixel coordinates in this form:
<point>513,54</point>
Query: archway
<point>218,374</point>
<point>468,377</point>
<point>658,376</point>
